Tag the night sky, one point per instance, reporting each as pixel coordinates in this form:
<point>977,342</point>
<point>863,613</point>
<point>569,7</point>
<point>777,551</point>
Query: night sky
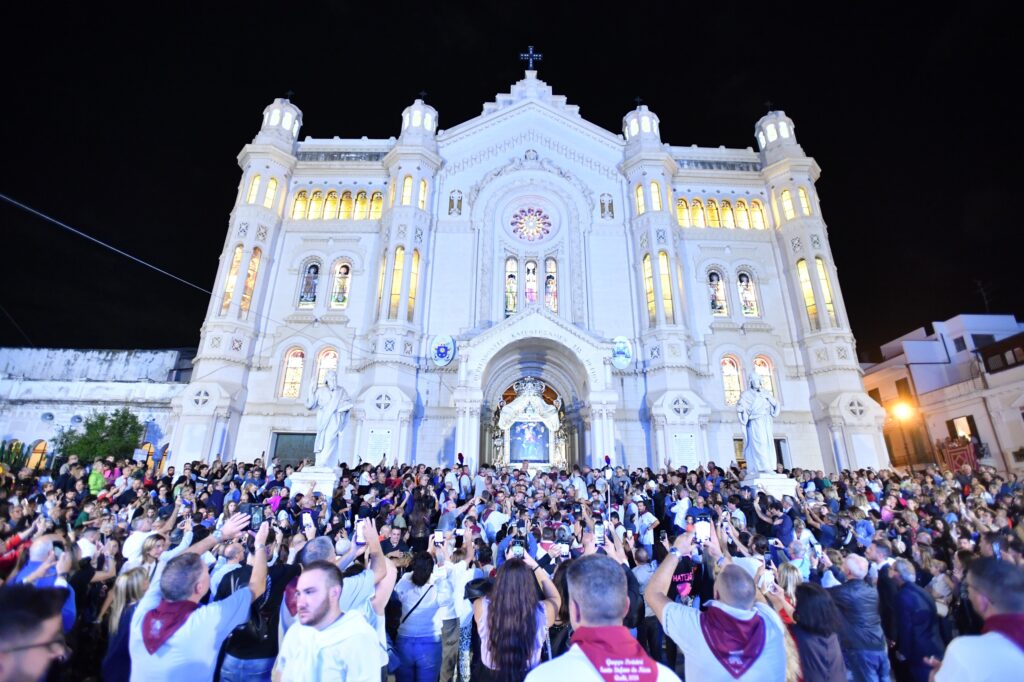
<point>127,127</point>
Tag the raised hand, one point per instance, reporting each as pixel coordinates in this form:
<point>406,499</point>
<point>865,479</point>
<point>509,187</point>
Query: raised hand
<point>235,526</point>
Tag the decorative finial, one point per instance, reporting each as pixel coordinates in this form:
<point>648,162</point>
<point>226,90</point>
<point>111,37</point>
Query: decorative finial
<point>530,57</point>
<point>639,100</point>
<point>423,95</point>
<point>289,94</point>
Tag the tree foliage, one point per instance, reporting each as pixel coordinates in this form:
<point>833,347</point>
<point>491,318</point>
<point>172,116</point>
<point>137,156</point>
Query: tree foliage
<point>115,433</point>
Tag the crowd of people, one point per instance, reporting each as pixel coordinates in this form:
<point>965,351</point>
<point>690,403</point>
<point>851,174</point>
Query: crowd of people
<point>225,570</point>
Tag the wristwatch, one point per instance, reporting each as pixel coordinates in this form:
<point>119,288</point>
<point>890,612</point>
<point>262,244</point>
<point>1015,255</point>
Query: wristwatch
<point>218,535</point>
<point>674,551</point>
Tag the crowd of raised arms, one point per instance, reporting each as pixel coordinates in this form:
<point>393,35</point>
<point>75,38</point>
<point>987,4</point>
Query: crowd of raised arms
<point>226,571</point>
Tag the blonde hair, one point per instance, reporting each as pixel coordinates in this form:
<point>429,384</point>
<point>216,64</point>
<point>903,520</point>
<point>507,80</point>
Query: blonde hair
<point>128,589</point>
<point>149,543</point>
<point>789,578</point>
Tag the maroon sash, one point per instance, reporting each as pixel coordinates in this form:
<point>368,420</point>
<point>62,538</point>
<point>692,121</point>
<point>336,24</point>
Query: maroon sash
<point>1009,625</point>
<point>159,624</point>
<point>736,643</point>
<point>615,654</point>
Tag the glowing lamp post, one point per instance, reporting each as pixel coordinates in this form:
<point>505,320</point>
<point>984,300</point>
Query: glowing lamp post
<point>904,412</point>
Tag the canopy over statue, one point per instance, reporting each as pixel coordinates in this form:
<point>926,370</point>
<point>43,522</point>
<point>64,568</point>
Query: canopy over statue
<point>757,411</point>
<point>332,405</point>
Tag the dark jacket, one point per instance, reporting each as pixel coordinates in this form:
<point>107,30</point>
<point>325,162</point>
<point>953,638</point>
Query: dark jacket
<point>887,590</point>
<point>862,627</point>
<point>821,659</point>
<point>917,624</point>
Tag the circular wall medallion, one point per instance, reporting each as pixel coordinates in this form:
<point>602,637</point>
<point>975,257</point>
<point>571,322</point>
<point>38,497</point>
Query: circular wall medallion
<point>531,224</point>
<point>622,352</point>
<point>442,350</point>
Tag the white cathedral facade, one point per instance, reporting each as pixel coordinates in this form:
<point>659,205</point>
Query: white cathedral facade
<point>526,285</point>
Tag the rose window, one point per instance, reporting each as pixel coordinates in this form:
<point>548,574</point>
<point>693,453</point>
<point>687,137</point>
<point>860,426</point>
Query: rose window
<point>531,224</point>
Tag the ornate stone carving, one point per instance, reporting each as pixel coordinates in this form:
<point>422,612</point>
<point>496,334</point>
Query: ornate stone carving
<point>856,408</point>
<point>200,397</point>
<point>815,241</point>
<point>796,244</point>
<point>681,406</point>
<point>389,345</point>
<point>383,402</point>
<point>236,344</point>
<point>419,235</point>
<point>408,347</point>
<point>215,342</point>
<point>655,352</point>
<point>243,229</point>
<point>261,233</point>
<point>841,352</point>
<point>821,354</point>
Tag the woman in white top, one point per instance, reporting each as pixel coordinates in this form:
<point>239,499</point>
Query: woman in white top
<point>423,592</point>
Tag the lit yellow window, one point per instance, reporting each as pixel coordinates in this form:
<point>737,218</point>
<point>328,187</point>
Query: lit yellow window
<point>362,207</point>
<point>713,220</point>
<point>291,377</point>
<point>697,213</point>
<point>826,291</point>
<point>316,206</point>
<point>268,200</point>
<point>380,280</point>
<point>763,372</point>
<point>376,205</point>
<point>652,314</point>
<point>229,283</point>
<point>326,361</point>
<point>331,206</point>
<point>640,206</point>
<point>727,218</point>
<point>787,204</point>
<point>346,206</point>
<point>391,194</point>
<point>396,283</point>
<point>275,117</point>
<point>732,385</point>
<point>422,202</point>
<point>301,203</point>
<point>808,292</point>
<point>757,217</point>
<point>655,196</point>
<point>414,278</point>
<point>665,276</point>
<point>250,283</point>
<point>682,213</point>
<point>805,200</point>
<point>742,219</point>
<point>254,189</point>
<point>407,191</point>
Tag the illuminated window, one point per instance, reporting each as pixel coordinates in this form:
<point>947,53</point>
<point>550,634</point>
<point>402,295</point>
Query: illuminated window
<point>417,118</point>
<point>268,200</point>
<point>763,372</point>
<point>405,120</point>
<point>414,278</point>
<point>275,117</point>
<point>682,213</point>
<point>697,213</point>
<point>331,206</point>
<point>808,292</point>
<point>316,206</point>
<point>727,218</point>
<point>652,315</point>
<point>551,285</point>
<point>308,286</point>
<point>326,361</point>
<point>362,207</point>
<point>376,205</point>
<point>712,212</point>
<point>407,190</point>
<point>295,129</point>
<point>530,288</point>
<point>396,283</point>
<point>772,135</point>
<point>291,379</point>
<point>716,294</point>
<point>250,283</point>
<point>826,291</point>
<point>760,138</point>
<point>787,204</point>
<point>345,212</point>
<point>634,128</point>
<point>665,277</point>
<point>380,281</point>
<point>299,208</point>
<point>531,224</point>
<point>428,121</point>
<point>340,286</point>
<point>391,194</point>
<point>655,196</point>
<point>748,295</point>
<point>511,286</point>
<point>757,217</point>
<point>742,219</point>
<point>229,283</point>
<point>783,129</point>
<point>645,124</point>
<point>254,189</point>
<point>422,202</point>
<point>640,207</point>
<point>731,382</point>
<point>286,120</point>
<point>805,200</point>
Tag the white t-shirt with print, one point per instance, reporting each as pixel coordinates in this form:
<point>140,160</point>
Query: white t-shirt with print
<point>338,652</point>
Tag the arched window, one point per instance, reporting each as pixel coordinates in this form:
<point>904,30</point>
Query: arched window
<point>316,206</point>
<point>229,283</point>
<point>607,207</point>
<point>414,279</point>
<point>551,284</point>
<point>376,205</point>
<point>748,295</point>
<point>422,201</point>
<point>268,200</point>
<point>326,361</point>
<point>396,283</point>
<point>772,135</point>
<point>665,276</point>
<point>511,286</point>
<point>275,117</point>
<point>530,287</point>
<point>826,291</point>
<point>346,206</point>
<point>697,214</point>
<point>299,208</point>
<point>713,220</point>
<point>331,206</point>
<point>732,383</point>
<point>455,202</point>
<point>391,194</point>
<point>286,120</point>
<point>757,218</point>
<point>308,285</point>
<point>787,204</point>
<point>655,196</point>
<point>742,219</point>
<point>805,200</point>
<point>250,283</point>
<point>380,281</point>
<point>682,213</point>
<point>407,190</point>
<point>783,129</point>
<point>652,313</point>
<point>716,293</point>
<point>727,217</point>
<point>362,207</point>
<point>640,206</point>
<point>291,377</point>
<point>340,286</point>
<point>807,289</point>
<point>254,189</point>
<point>763,372</point>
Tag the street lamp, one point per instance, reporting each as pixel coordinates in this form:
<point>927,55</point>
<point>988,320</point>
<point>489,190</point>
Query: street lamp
<point>904,412</point>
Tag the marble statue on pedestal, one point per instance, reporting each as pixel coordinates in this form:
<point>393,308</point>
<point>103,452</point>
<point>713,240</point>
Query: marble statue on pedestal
<point>332,405</point>
<point>757,410</point>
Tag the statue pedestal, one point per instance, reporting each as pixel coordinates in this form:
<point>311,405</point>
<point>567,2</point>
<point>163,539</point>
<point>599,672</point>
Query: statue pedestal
<point>775,485</point>
<point>324,477</point>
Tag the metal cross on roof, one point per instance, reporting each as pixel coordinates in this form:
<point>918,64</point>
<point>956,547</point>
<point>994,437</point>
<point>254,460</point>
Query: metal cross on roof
<point>423,95</point>
<point>530,57</point>
<point>639,100</point>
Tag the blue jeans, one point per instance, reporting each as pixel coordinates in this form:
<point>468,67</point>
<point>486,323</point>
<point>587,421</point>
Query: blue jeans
<point>865,665</point>
<point>420,659</point>
<point>246,669</point>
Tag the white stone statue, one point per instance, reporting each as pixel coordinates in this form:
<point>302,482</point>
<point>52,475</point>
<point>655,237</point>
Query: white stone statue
<point>332,406</point>
<point>757,410</point>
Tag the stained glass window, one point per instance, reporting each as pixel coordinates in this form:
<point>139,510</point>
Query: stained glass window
<point>665,278</point>
<point>342,281</point>
<point>376,205</point>
<point>713,220</point>
<point>731,383</point>
<point>229,283</point>
<point>268,200</point>
<point>511,286</point>
<point>291,381</point>
<point>326,361</point>
<point>531,224</point>
<point>757,218</point>
<point>254,189</point>
<point>655,196</point>
<point>414,280</point>
<point>763,371</point>
<point>316,206</point>
<point>607,206</point>
<point>640,206</point>
<point>455,202</point>
<point>346,206</point>
<point>299,209</point>
<point>530,288</point>
<point>742,219</point>
<point>697,213</point>
<point>250,282</point>
<point>807,289</point>
<point>652,313</point>
<point>331,206</point>
<point>551,285</point>
<point>787,204</point>
<point>682,213</point>
<point>396,283</point>
<point>407,190</point>
<point>716,292</point>
<point>422,202</point>
<point>748,296</point>
<point>362,207</point>
<point>826,291</point>
<point>310,280</point>
<point>727,217</point>
<point>805,200</point>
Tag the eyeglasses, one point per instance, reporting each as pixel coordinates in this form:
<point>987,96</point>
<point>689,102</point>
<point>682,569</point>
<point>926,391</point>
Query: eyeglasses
<point>58,647</point>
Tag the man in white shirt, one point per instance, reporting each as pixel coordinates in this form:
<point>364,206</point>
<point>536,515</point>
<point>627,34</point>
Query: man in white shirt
<point>646,522</point>
<point>326,644</point>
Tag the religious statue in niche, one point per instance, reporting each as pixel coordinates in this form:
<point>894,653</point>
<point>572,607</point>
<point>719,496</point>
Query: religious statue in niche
<point>757,410</point>
<point>748,299</point>
<point>607,207</point>
<point>511,293</point>
<point>530,290</point>
<point>551,293</point>
<point>332,405</point>
<point>310,280</point>
<point>716,291</point>
<point>529,442</point>
<point>342,279</point>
